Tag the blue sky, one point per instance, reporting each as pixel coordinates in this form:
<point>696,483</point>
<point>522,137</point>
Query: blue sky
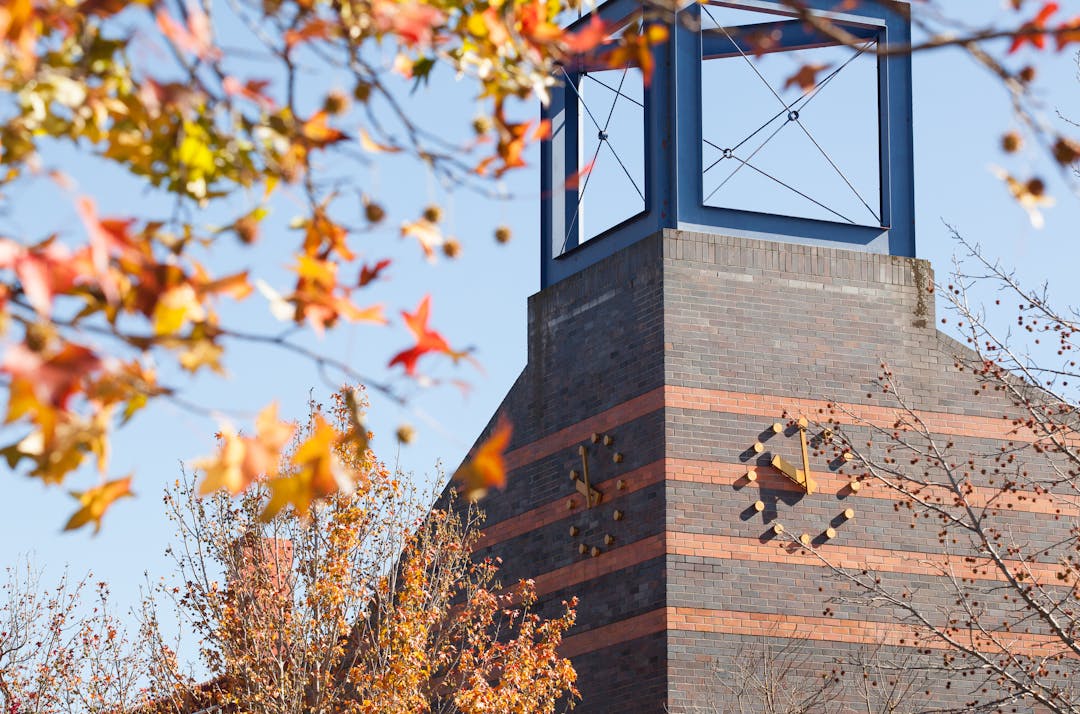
<point>480,301</point>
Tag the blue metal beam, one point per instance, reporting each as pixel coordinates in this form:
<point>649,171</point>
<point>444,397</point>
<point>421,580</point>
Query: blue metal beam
<point>768,37</point>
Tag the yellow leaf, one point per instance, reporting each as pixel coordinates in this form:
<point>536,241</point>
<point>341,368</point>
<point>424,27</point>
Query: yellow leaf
<point>96,501</point>
<point>194,151</point>
<point>175,308</point>
<point>203,353</point>
<point>318,473</point>
<point>223,470</point>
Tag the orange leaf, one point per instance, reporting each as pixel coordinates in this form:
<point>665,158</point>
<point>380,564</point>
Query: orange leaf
<point>587,38</point>
<point>318,473</point>
<point>96,501</point>
<point>318,133</point>
<point>574,179</point>
<point>241,460</point>
<point>487,468</point>
<point>806,77</point>
<point>316,29</point>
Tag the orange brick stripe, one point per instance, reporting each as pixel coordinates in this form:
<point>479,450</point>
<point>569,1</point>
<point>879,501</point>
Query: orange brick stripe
<point>626,630</point>
<point>604,421</point>
<point>723,474</point>
<point>716,400</point>
<point>608,562</point>
<point>556,510</point>
<point>824,629</point>
<point>723,547</point>
<point>751,550</point>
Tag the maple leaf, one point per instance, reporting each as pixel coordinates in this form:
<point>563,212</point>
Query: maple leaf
<point>43,383</point>
<point>636,50</point>
<point>806,77</point>
<point>426,233</point>
<point>536,26</point>
<point>175,308</point>
<point>318,473</point>
<point>44,270</point>
<point>196,37</point>
<point>318,133</point>
<point>487,467</point>
<point>1031,195</point>
<point>1068,32</point>
<point>62,446</point>
<point>412,21</point>
<point>96,501</point>
<point>371,272</point>
<point>241,460</point>
<point>427,340</point>
<point>314,29</point>
<point>574,180</point>
<point>253,89</point>
<point>587,38</point>
<point>373,147</point>
<point>1031,32</point>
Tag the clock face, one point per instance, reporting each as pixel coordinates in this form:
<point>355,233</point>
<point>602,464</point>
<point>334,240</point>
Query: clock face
<point>594,478</point>
<point>781,460</point>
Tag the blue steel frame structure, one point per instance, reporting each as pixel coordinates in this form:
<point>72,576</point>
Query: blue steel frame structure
<point>673,156</point>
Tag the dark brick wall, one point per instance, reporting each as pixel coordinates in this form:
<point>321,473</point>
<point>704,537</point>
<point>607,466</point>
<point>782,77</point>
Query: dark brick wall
<point>704,330</point>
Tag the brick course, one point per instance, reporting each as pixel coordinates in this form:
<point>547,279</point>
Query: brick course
<point>687,346</point>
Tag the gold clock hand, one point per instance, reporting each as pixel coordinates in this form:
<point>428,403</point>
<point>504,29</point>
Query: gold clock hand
<point>788,470</point>
<point>808,483</point>
<point>585,475</point>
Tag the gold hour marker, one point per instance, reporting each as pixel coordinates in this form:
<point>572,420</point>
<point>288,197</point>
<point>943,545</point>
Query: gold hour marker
<point>608,440</point>
<point>759,506</point>
<point>758,447</point>
<point>570,504</point>
<point>849,513</point>
<point>617,515</point>
<point>583,549</point>
<point>777,428</point>
<point>805,539</point>
<point>595,551</point>
<point>751,475</point>
<point>778,529</point>
<point>617,457</point>
<point>830,533</point>
<point>621,484</point>
<point>855,486</point>
<point>608,539</point>
<point>595,438</point>
<point>574,530</point>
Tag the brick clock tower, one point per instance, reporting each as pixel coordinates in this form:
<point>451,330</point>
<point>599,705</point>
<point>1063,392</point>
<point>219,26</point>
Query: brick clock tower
<point>725,248</point>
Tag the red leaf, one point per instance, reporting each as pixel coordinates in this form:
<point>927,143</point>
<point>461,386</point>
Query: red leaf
<point>427,340</point>
<point>587,38</point>
<point>371,272</point>
<point>1032,32</point>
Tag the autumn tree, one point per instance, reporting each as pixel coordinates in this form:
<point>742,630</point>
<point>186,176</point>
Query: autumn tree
<point>254,106</point>
<point>64,649</point>
<point>369,603</point>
